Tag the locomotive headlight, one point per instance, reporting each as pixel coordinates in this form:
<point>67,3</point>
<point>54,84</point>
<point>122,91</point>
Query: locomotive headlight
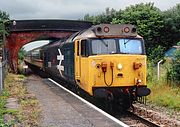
<point>139,80</point>
<point>119,66</point>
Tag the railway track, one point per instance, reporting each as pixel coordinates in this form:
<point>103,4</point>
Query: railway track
<point>134,120</point>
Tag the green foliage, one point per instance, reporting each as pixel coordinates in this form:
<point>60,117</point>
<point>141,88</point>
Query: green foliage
<point>5,93</point>
<point>3,97</point>
<point>148,20</point>
<point>157,27</point>
<point>174,72</point>
<point>162,92</point>
<point>171,30</point>
<point>3,16</point>
<point>21,54</point>
<point>155,54</point>
<point>9,124</point>
<point>178,44</point>
<point>165,95</point>
<point>106,17</point>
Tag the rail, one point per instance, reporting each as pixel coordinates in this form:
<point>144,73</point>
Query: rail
<point>143,120</point>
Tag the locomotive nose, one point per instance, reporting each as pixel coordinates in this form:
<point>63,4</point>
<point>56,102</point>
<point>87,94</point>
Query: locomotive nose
<point>119,71</point>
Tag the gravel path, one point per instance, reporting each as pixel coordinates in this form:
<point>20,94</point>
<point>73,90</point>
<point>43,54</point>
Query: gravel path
<point>59,109</point>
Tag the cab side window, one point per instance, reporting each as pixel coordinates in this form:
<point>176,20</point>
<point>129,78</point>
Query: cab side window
<point>77,48</point>
<point>84,48</point>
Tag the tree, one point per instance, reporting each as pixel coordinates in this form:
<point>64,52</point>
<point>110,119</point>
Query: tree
<point>178,44</point>
<point>102,18</point>
<point>174,72</point>
<point>171,30</point>
<point>158,28</point>
<point>3,16</point>
<point>21,54</point>
<point>149,22</point>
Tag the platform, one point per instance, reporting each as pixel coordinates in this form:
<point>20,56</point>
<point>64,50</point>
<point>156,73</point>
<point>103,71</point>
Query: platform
<point>61,109</point>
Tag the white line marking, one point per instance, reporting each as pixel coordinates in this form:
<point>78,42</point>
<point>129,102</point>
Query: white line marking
<point>91,105</point>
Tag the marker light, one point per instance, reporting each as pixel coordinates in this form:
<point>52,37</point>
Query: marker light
<point>133,30</point>
<point>126,29</point>
<point>106,29</point>
<point>99,29</point>
<point>119,66</point>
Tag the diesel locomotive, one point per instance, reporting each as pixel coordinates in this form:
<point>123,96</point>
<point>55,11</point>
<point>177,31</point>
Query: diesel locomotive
<point>107,61</point>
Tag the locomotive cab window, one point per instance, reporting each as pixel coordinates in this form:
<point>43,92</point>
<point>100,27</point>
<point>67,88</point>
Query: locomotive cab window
<point>116,46</point>
<point>103,46</point>
<point>130,46</point>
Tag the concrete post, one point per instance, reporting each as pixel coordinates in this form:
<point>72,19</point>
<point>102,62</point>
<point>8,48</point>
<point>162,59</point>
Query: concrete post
<point>158,68</point>
<point>1,77</point>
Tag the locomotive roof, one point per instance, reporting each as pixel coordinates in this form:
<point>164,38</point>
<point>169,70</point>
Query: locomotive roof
<point>108,30</point>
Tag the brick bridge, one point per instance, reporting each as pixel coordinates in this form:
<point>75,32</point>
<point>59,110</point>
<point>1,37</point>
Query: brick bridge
<point>26,31</point>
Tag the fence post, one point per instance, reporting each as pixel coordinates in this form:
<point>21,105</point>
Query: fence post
<point>158,68</point>
<point>2,75</point>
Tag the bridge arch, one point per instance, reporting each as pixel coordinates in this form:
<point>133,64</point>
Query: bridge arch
<point>24,31</point>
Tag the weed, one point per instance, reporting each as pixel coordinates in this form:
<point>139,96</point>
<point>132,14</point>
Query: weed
<point>5,93</point>
<point>8,124</point>
<point>165,95</point>
<point>21,76</point>
<point>28,111</point>
<point>3,97</point>
<point>163,92</point>
<point>29,102</point>
<point>11,111</point>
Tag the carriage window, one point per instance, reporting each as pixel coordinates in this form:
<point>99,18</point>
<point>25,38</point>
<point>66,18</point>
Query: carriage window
<point>103,46</point>
<point>130,46</point>
<point>35,54</point>
<point>84,48</point>
<point>41,54</point>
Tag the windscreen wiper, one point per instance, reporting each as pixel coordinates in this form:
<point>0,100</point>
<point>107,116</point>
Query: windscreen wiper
<point>104,42</point>
<point>125,42</point>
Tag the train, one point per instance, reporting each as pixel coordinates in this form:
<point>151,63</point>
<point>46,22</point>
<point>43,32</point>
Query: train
<point>106,61</point>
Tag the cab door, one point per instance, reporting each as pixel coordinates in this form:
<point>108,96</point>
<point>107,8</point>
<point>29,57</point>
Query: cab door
<point>77,61</point>
<point>82,64</point>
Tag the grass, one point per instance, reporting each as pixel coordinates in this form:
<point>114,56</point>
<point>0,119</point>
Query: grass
<point>28,112</point>
<point>3,110</point>
<point>163,93</point>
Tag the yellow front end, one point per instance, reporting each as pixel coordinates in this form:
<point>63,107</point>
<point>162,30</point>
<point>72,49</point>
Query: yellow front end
<point>110,64</point>
<point>113,70</point>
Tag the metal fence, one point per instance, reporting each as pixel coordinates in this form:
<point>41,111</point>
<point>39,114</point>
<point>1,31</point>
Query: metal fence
<point>2,74</point>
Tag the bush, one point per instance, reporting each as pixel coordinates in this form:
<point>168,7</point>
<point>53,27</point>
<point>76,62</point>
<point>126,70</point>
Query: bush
<point>175,68</point>
<point>155,54</point>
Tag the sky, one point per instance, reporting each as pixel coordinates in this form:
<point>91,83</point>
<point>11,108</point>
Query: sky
<point>68,9</point>
<point>35,44</point>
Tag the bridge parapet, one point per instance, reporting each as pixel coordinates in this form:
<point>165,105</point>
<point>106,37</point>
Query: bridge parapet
<point>48,25</point>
